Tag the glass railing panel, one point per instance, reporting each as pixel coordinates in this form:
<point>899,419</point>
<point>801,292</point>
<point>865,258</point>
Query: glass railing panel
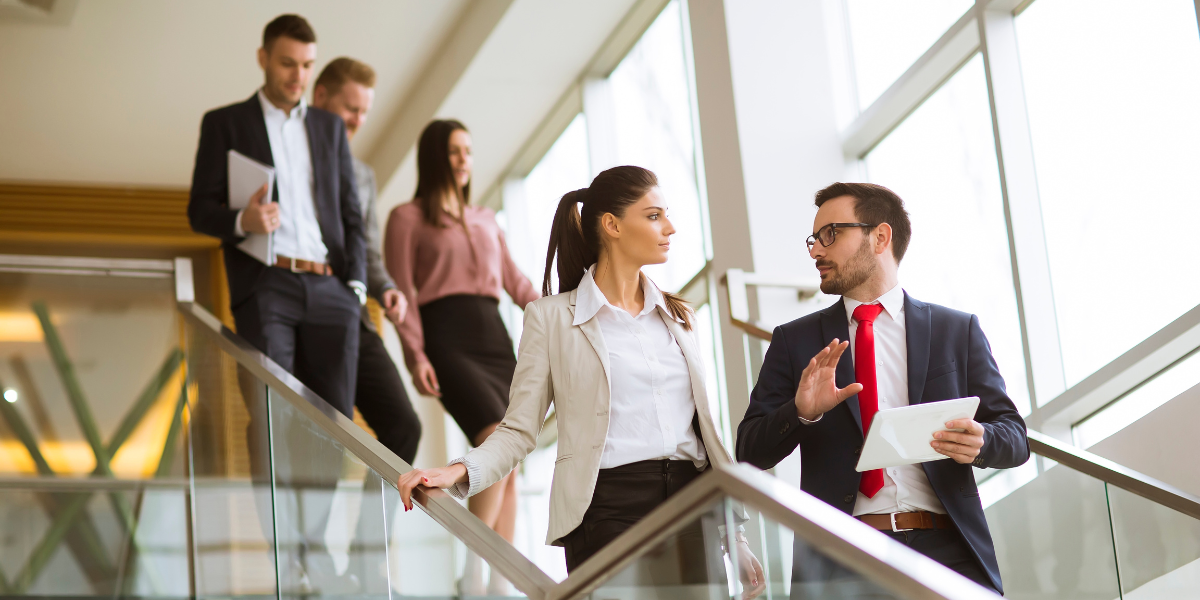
<point>233,530</point>
<point>89,410</point>
<point>1158,549</point>
<point>1054,539</point>
<point>326,500</point>
<point>92,445</point>
<point>343,532</point>
<point>817,552</point>
<point>690,562</point>
<point>85,538</point>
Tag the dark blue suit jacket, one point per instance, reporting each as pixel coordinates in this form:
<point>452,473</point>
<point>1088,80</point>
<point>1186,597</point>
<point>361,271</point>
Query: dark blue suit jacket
<point>242,127</point>
<point>948,357</point>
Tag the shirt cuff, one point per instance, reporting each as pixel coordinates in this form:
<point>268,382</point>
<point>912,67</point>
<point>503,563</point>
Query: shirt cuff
<point>807,422</point>
<point>462,491</point>
<point>237,224</point>
<point>360,290</point>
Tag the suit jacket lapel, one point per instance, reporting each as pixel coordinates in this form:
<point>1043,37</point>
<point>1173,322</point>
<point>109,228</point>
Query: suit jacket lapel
<point>696,376</point>
<point>325,212</point>
<point>260,142</point>
<point>591,330</point>
<point>917,336</point>
<point>835,325</point>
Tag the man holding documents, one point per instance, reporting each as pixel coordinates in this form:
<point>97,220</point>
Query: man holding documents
<point>813,396</point>
<point>275,182</point>
<point>295,253</point>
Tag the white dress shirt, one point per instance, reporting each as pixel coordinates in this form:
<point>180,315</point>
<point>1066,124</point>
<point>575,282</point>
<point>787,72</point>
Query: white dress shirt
<point>905,488</point>
<point>299,233</point>
<point>650,402</point>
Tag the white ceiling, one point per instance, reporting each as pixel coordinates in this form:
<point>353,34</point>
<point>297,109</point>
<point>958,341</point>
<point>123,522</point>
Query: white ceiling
<point>116,95</point>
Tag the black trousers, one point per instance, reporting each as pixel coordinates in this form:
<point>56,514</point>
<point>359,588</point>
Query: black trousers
<point>309,324</point>
<point>622,497</point>
<point>816,576</point>
<point>382,400</point>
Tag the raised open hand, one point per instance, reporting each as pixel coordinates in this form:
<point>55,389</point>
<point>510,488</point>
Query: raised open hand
<point>818,391</point>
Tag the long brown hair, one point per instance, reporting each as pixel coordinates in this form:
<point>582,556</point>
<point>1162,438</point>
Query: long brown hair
<point>575,235</point>
<point>435,179</point>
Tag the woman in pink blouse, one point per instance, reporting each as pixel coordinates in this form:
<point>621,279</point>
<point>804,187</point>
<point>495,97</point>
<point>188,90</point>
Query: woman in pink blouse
<point>450,260</point>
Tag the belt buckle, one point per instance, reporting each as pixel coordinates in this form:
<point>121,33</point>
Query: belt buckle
<point>293,267</point>
<point>895,529</point>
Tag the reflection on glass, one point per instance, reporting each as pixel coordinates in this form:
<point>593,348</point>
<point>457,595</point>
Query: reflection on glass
<point>233,525</point>
<point>1053,539</point>
<point>942,161</point>
<point>93,501</point>
<point>800,570</point>
<point>329,512</point>
<point>1109,121</point>
<point>887,36</point>
<point>689,563</point>
<point>1158,549</point>
<point>653,129</point>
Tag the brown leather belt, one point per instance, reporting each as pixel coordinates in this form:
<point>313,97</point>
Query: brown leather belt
<point>907,520</point>
<point>299,265</point>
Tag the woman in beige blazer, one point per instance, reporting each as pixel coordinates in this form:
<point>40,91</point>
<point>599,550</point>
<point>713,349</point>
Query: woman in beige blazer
<point>621,362</point>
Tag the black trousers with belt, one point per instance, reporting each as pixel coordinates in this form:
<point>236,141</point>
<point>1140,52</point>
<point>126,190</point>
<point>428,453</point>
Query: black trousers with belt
<point>626,494</point>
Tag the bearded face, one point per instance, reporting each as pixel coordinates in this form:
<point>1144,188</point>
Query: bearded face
<point>839,279</point>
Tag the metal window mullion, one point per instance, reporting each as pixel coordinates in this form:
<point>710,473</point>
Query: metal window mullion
<point>1022,204</point>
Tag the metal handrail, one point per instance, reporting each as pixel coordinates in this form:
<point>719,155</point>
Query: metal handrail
<point>1114,474</point>
<point>888,563</point>
<point>1039,443</point>
<point>451,515</point>
<point>736,281</point>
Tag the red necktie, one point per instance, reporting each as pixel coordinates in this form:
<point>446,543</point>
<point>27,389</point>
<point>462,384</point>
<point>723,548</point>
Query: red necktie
<point>864,373</point>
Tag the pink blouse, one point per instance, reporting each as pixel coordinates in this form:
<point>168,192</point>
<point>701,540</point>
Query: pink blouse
<point>430,262</point>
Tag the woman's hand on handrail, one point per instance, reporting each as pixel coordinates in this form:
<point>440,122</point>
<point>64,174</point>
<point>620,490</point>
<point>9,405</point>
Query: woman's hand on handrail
<point>442,477</point>
<point>749,570</point>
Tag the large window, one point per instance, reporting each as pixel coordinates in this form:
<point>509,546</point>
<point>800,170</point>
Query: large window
<point>652,128</point>
<point>887,36</point>
<point>1112,89</point>
<point>942,161</point>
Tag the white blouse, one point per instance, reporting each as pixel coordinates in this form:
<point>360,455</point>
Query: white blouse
<point>650,402</point>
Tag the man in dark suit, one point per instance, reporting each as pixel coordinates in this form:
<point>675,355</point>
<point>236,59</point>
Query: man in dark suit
<point>303,310</point>
<point>903,352</point>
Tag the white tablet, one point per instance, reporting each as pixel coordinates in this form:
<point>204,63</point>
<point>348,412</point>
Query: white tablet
<point>901,436</point>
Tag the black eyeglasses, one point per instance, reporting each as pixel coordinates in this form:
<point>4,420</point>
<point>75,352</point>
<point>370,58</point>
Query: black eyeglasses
<point>827,235</point>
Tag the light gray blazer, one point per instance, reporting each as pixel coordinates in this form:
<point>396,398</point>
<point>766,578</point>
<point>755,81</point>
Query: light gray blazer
<point>568,365</point>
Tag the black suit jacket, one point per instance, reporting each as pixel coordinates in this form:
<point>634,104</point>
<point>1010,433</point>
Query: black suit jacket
<point>948,357</point>
<point>242,127</point>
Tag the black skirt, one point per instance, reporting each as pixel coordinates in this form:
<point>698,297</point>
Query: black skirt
<point>472,355</point>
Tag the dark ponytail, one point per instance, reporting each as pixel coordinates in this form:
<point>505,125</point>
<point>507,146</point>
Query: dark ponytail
<point>575,234</point>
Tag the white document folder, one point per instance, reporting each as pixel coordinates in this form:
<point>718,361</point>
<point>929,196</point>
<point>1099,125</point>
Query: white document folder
<point>901,436</point>
<point>246,175</point>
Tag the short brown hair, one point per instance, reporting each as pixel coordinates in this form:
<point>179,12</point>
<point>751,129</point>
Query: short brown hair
<point>292,26</point>
<point>874,204</point>
<point>343,69</point>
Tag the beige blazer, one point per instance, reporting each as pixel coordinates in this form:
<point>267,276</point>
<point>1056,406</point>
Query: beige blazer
<point>567,365</point>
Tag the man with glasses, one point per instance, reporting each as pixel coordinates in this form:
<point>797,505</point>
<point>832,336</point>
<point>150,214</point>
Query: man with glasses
<point>902,351</point>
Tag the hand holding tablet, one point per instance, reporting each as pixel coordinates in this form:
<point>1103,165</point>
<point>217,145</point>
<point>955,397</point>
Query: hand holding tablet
<point>902,436</point>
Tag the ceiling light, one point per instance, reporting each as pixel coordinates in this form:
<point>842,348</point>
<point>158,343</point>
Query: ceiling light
<point>10,395</point>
